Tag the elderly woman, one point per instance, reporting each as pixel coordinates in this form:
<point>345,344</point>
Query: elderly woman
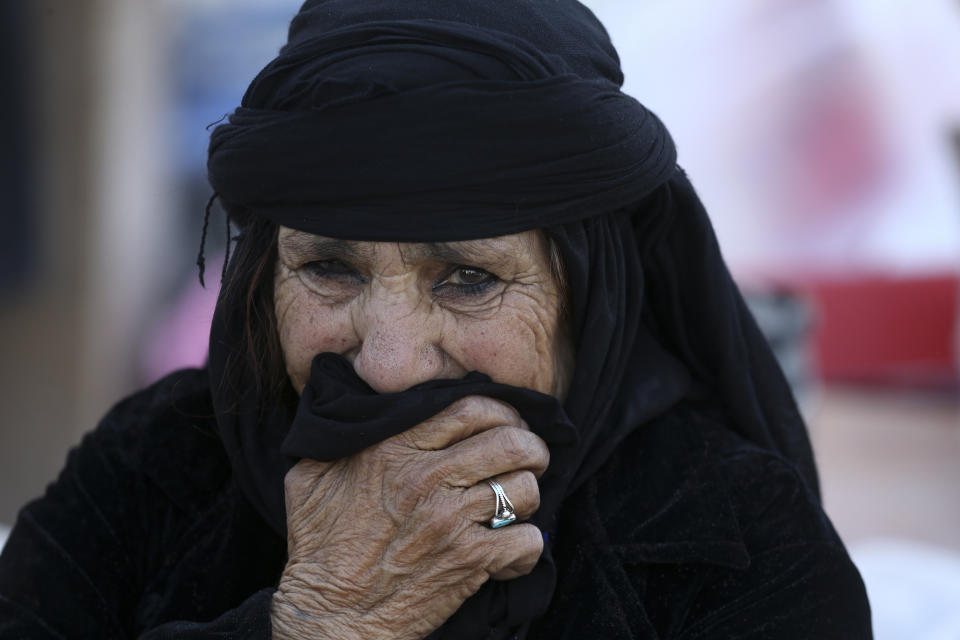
<point>477,371</point>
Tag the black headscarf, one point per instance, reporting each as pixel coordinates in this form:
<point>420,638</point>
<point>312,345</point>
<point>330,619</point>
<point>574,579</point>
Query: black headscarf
<point>443,120</point>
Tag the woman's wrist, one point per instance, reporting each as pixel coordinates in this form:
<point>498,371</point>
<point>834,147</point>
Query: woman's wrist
<point>297,616</point>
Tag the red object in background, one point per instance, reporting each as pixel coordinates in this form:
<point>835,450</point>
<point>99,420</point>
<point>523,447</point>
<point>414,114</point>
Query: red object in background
<point>886,330</point>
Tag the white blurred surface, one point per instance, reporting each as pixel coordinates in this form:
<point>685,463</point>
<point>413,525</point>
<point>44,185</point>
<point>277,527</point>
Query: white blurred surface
<point>914,589</point>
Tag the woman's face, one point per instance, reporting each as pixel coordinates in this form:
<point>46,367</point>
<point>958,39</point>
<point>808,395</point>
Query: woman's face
<point>405,313</point>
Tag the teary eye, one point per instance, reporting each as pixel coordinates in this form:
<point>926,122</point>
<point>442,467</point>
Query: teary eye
<point>466,280</point>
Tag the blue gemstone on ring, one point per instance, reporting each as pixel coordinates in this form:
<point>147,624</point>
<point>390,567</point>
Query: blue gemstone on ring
<point>496,523</point>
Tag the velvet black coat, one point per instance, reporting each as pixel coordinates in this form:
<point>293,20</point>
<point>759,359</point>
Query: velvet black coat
<point>688,531</point>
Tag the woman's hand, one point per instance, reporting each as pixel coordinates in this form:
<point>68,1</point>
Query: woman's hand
<point>388,543</point>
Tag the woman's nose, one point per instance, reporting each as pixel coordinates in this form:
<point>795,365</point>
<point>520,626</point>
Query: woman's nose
<point>400,346</point>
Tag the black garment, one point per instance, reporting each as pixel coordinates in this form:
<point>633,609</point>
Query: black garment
<point>687,532</point>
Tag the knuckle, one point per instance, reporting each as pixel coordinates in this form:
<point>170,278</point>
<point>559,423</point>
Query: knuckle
<point>296,478</point>
<point>529,489</point>
<point>523,545</point>
<point>300,483</point>
<point>408,494</point>
<point>515,445</point>
<point>414,438</point>
<point>529,542</point>
<point>506,413</point>
<point>544,454</point>
<point>434,523</point>
<point>534,539</point>
<point>433,529</point>
<point>482,408</point>
<point>419,481</point>
<point>407,498</point>
<point>541,453</point>
<point>466,408</point>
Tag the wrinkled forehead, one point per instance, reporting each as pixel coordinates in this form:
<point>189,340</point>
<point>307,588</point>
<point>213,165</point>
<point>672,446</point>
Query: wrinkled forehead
<point>501,249</point>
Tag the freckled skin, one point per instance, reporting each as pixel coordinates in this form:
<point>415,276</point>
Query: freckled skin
<point>398,329</point>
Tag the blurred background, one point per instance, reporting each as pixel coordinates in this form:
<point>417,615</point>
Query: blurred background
<point>823,136</point>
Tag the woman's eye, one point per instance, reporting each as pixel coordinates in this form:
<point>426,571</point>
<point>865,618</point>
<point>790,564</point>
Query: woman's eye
<point>331,269</point>
<point>467,280</point>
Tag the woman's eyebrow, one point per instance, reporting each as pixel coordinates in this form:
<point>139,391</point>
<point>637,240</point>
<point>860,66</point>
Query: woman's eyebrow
<point>489,252</point>
<point>306,245</point>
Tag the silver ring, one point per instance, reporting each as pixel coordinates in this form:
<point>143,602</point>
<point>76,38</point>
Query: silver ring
<point>504,513</point>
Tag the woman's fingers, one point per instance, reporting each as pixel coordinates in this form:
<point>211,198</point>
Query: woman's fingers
<point>491,453</point>
<point>464,418</point>
<point>512,551</point>
<point>401,526</point>
<point>520,487</point>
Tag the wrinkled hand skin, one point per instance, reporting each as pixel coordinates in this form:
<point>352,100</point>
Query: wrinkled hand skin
<point>388,543</point>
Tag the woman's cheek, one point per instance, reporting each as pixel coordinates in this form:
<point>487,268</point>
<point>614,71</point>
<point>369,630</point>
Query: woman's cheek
<point>307,327</point>
<point>507,350</point>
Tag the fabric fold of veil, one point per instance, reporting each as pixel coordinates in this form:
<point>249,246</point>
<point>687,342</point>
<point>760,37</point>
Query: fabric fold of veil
<point>456,119</point>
